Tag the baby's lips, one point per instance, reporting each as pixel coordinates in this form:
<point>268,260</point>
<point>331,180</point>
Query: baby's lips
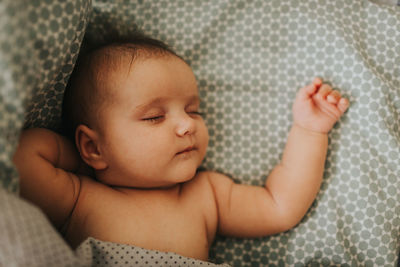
<point>187,149</point>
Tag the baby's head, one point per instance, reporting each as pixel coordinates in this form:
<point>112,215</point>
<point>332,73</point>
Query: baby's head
<point>91,85</point>
<point>133,110</point>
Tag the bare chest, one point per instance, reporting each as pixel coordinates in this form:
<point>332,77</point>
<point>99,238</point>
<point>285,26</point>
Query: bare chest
<point>148,219</point>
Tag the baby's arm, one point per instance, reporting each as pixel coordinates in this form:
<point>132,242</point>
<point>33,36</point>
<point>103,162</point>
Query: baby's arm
<point>293,184</point>
<point>46,162</point>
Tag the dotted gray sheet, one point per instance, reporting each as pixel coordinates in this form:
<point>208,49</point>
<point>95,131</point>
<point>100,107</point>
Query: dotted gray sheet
<point>250,58</point>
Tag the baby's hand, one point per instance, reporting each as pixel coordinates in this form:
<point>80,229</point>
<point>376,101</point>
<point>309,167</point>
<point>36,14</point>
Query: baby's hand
<point>318,107</point>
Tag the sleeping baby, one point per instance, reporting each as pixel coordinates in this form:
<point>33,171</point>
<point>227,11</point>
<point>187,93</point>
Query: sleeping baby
<point>130,174</point>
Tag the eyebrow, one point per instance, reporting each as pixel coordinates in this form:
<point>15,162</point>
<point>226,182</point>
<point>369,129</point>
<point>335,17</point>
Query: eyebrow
<point>194,99</point>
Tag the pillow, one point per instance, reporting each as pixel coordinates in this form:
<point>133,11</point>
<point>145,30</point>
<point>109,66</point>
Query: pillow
<point>250,58</point>
<point>39,42</point>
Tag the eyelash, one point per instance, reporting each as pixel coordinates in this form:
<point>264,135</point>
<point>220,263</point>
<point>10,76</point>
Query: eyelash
<point>154,119</point>
<point>158,118</point>
<point>197,113</point>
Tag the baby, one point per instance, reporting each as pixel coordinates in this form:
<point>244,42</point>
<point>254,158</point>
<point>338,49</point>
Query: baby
<point>133,110</point>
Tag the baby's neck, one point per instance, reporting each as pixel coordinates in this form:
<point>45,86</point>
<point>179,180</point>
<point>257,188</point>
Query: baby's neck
<point>107,178</point>
<point>171,189</point>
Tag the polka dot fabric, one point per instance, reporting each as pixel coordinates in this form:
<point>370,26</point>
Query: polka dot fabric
<point>39,41</point>
<point>250,58</point>
<point>111,254</point>
<point>59,28</point>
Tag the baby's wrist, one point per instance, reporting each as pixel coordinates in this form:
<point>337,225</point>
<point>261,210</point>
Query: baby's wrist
<point>309,130</point>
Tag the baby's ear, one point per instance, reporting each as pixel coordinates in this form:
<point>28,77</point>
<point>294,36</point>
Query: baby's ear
<point>87,142</point>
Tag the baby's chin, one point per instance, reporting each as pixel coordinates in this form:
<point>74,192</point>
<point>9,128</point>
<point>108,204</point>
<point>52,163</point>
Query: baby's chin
<point>177,180</point>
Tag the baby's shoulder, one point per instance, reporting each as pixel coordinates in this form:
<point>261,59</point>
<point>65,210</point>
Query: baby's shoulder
<point>205,183</point>
<point>91,184</point>
<point>200,182</point>
<point>210,178</point>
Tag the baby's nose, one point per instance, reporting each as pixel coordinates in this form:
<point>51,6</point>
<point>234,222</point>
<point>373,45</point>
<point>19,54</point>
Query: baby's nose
<point>185,125</point>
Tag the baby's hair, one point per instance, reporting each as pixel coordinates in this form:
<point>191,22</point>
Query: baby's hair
<point>89,88</point>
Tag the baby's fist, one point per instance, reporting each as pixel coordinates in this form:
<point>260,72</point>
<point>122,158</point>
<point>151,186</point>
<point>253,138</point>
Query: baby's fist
<point>318,107</point>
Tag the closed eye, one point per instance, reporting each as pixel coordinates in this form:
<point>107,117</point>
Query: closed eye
<point>196,113</point>
<point>154,119</point>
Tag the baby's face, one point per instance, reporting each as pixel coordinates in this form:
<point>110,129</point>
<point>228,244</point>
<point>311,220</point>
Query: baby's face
<point>152,134</point>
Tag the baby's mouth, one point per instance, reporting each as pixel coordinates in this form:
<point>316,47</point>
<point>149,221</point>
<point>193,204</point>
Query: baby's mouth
<point>186,150</point>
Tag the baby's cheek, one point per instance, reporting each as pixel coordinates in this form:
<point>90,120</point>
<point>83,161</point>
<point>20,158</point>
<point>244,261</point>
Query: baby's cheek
<point>204,140</point>
<point>206,137</point>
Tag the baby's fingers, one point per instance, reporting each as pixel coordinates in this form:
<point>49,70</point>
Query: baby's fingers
<point>317,82</point>
<point>306,92</point>
<point>333,97</point>
<point>309,90</point>
<point>324,90</point>
<point>343,105</point>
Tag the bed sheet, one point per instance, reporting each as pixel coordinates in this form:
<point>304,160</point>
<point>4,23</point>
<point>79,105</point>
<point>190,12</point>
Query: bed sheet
<point>250,58</point>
